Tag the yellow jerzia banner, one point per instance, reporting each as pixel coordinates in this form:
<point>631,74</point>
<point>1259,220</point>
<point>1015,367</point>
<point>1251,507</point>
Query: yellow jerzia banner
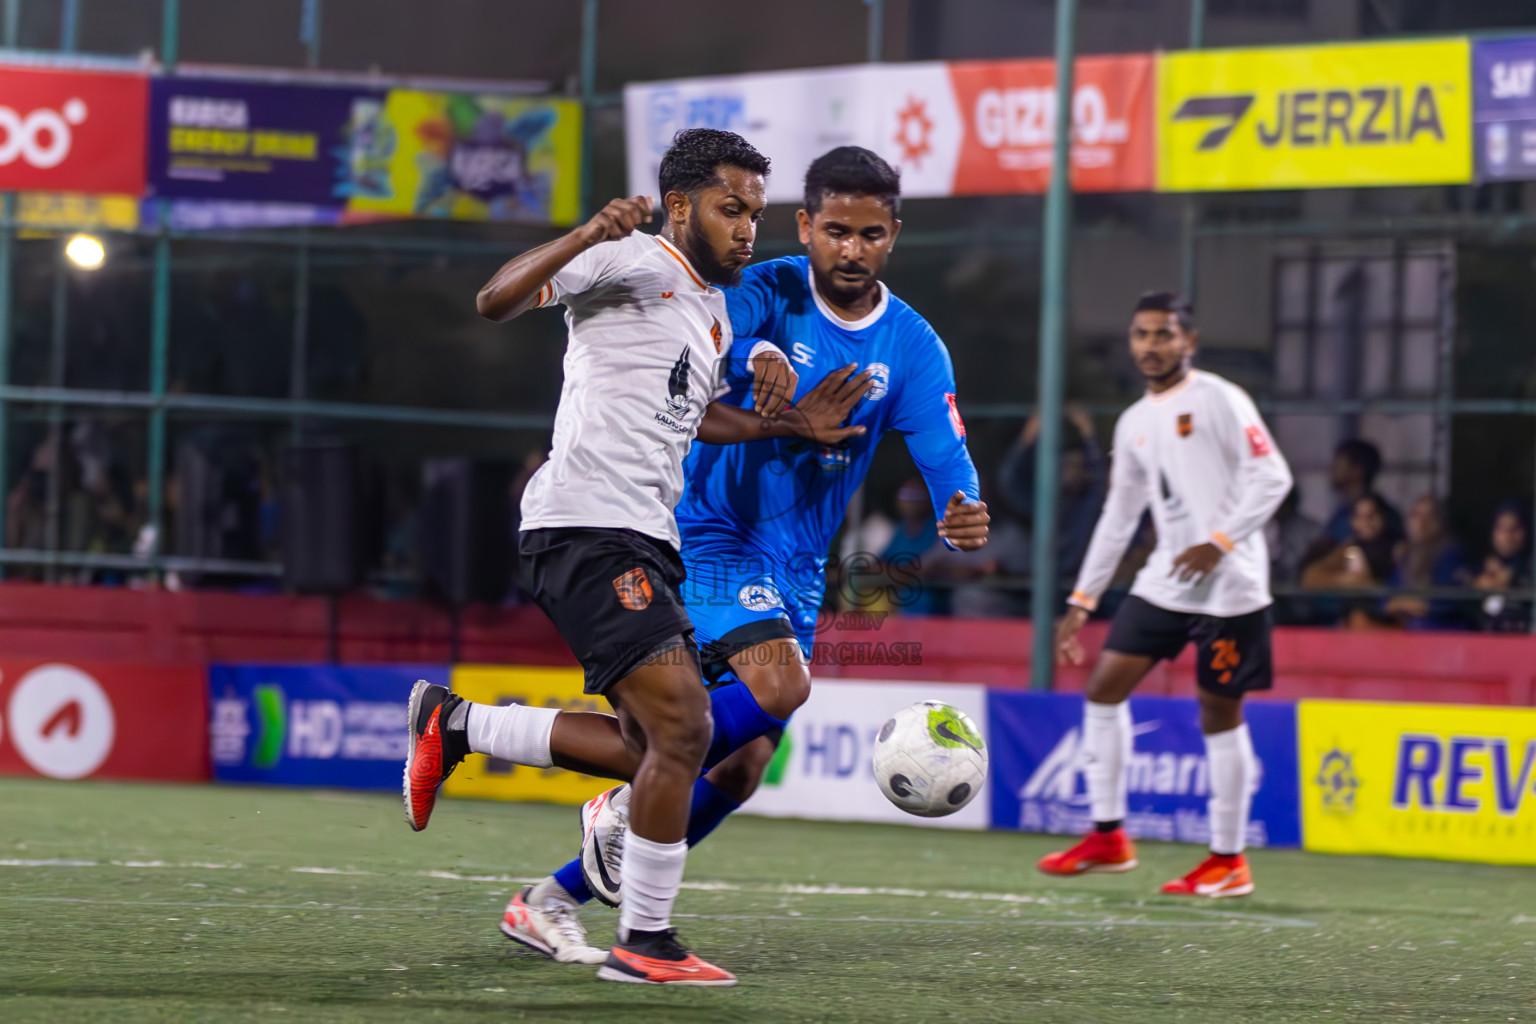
<point>1419,780</point>
<point>1315,117</point>
<point>480,776</point>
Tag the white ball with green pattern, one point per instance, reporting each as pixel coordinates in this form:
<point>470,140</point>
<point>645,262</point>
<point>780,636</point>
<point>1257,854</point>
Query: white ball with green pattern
<point>930,759</point>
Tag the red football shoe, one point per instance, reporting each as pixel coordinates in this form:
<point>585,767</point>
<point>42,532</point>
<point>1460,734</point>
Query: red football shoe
<point>1217,876</point>
<point>657,958</point>
<point>1101,852</point>
<point>433,753</point>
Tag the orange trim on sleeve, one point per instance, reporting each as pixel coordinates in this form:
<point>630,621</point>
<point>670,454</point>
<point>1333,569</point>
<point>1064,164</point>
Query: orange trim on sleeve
<point>1223,541</point>
<point>1083,601</point>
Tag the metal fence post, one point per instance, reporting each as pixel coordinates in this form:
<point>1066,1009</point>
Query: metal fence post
<point>589,12</point>
<point>1054,310</point>
<point>1189,255</point>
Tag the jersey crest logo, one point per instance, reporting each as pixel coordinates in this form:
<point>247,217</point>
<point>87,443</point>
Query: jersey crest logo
<point>759,597</point>
<point>879,381</point>
<point>716,334</point>
<point>678,406</point>
<point>803,353</point>
<point>1186,424</point>
<point>634,590</point>
<point>668,295</point>
<point>954,414</point>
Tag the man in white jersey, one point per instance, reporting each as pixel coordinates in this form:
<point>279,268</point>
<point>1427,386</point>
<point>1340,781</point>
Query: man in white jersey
<point>598,547</point>
<point>1195,451</point>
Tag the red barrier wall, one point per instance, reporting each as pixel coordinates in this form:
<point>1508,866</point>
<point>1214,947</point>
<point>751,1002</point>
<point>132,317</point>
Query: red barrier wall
<point>156,627</point>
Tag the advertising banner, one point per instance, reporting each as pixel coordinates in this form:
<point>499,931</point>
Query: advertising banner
<point>1504,109</point>
<point>792,117</point>
<point>1315,117</point>
<point>312,725</point>
<point>975,128</point>
<point>72,131</point>
<point>1419,780</point>
<point>218,139</point>
<point>462,157</point>
<point>486,777</point>
<point>989,127</point>
<point>74,211</point>
<point>1037,768</point>
<point>102,721</point>
<point>822,768</point>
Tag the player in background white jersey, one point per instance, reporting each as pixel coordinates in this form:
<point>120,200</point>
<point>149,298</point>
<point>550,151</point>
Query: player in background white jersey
<point>598,544</point>
<point>1195,451</point>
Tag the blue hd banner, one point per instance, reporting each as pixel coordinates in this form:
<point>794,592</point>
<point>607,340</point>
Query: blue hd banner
<point>1037,768</point>
<point>319,725</point>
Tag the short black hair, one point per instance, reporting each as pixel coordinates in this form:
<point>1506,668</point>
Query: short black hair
<point>1168,302</point>
<point>696,156</point>
<point>1363,454</point>
<point>851,171</point>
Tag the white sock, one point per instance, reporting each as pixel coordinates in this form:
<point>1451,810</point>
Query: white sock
<point>652,874</point>
<point>1107,737</point>
<point>1233,772</point>
<point>546,891</point>
<point>515,733</point>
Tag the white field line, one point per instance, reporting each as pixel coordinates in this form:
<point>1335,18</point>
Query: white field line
<point>789,889</point>
<point>1100,922</point>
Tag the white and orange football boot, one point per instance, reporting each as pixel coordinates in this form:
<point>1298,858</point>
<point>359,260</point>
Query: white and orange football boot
<point>552,929</point>
<point>1098,853</point>
<point>657,958</point>
<point>1217,876</point>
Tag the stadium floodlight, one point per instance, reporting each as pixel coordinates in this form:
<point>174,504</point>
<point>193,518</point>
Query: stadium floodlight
<point>86,252</point>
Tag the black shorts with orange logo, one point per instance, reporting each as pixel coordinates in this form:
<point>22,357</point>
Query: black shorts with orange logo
<point>612,594</point>
<point>1233,656</point>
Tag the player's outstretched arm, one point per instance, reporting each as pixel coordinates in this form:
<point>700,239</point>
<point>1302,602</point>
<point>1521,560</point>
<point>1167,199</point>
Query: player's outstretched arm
<point>515,288</point>
<point>816,417</point>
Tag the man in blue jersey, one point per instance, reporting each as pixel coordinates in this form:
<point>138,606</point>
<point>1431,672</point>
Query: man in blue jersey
<point>757,520</point>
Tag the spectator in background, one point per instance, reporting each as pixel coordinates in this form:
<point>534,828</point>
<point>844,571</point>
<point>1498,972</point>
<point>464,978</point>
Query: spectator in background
<point>1429,558</point>
<point>1084,480</point>
<point>1363,559</point>
<point>1289,536</point>
<point>902,559</point>
<point>1356,463</point>
<point>1507,567</point>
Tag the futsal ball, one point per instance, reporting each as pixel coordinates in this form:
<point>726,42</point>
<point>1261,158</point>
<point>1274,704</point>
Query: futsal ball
<point>930,759</point>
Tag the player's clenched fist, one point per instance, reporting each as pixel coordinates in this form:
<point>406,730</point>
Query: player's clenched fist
<point>618,220</point>
<point>965,523</point>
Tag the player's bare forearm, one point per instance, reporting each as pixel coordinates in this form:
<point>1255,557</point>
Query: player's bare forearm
<point>727,424</point>
<point>515,288</point>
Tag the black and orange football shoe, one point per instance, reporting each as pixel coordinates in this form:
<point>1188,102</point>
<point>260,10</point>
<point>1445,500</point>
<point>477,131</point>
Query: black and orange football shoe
<point>434,750</point>
<point>657,958</point>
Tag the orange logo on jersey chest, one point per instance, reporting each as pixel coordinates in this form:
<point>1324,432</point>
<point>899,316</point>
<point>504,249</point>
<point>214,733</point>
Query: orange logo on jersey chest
<point>1186,424</point>
<point>716,334</point>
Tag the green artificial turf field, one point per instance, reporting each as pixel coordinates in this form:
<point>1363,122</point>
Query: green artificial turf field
<point>162,903</point>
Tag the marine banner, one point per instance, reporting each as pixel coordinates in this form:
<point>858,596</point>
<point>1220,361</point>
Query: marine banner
<point>1419,780</point>
<point>486,777</point>
<point>1315,117</point>
<point>1038,783</point>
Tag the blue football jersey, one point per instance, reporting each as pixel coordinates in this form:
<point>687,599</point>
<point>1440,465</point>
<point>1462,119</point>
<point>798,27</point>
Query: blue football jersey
<point>787,497</point>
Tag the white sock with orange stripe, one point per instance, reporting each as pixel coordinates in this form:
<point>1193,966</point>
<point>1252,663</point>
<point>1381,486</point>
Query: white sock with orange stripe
<point>514,732</point>
<point>1234,770</point>
<point>652,873</point>
<point>1107,737</point>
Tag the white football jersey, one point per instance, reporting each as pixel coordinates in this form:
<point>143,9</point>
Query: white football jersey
<point>647,339</point>
<point>1202,459</point>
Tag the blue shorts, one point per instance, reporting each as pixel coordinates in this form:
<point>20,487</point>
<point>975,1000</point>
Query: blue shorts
<point>738,597</point>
